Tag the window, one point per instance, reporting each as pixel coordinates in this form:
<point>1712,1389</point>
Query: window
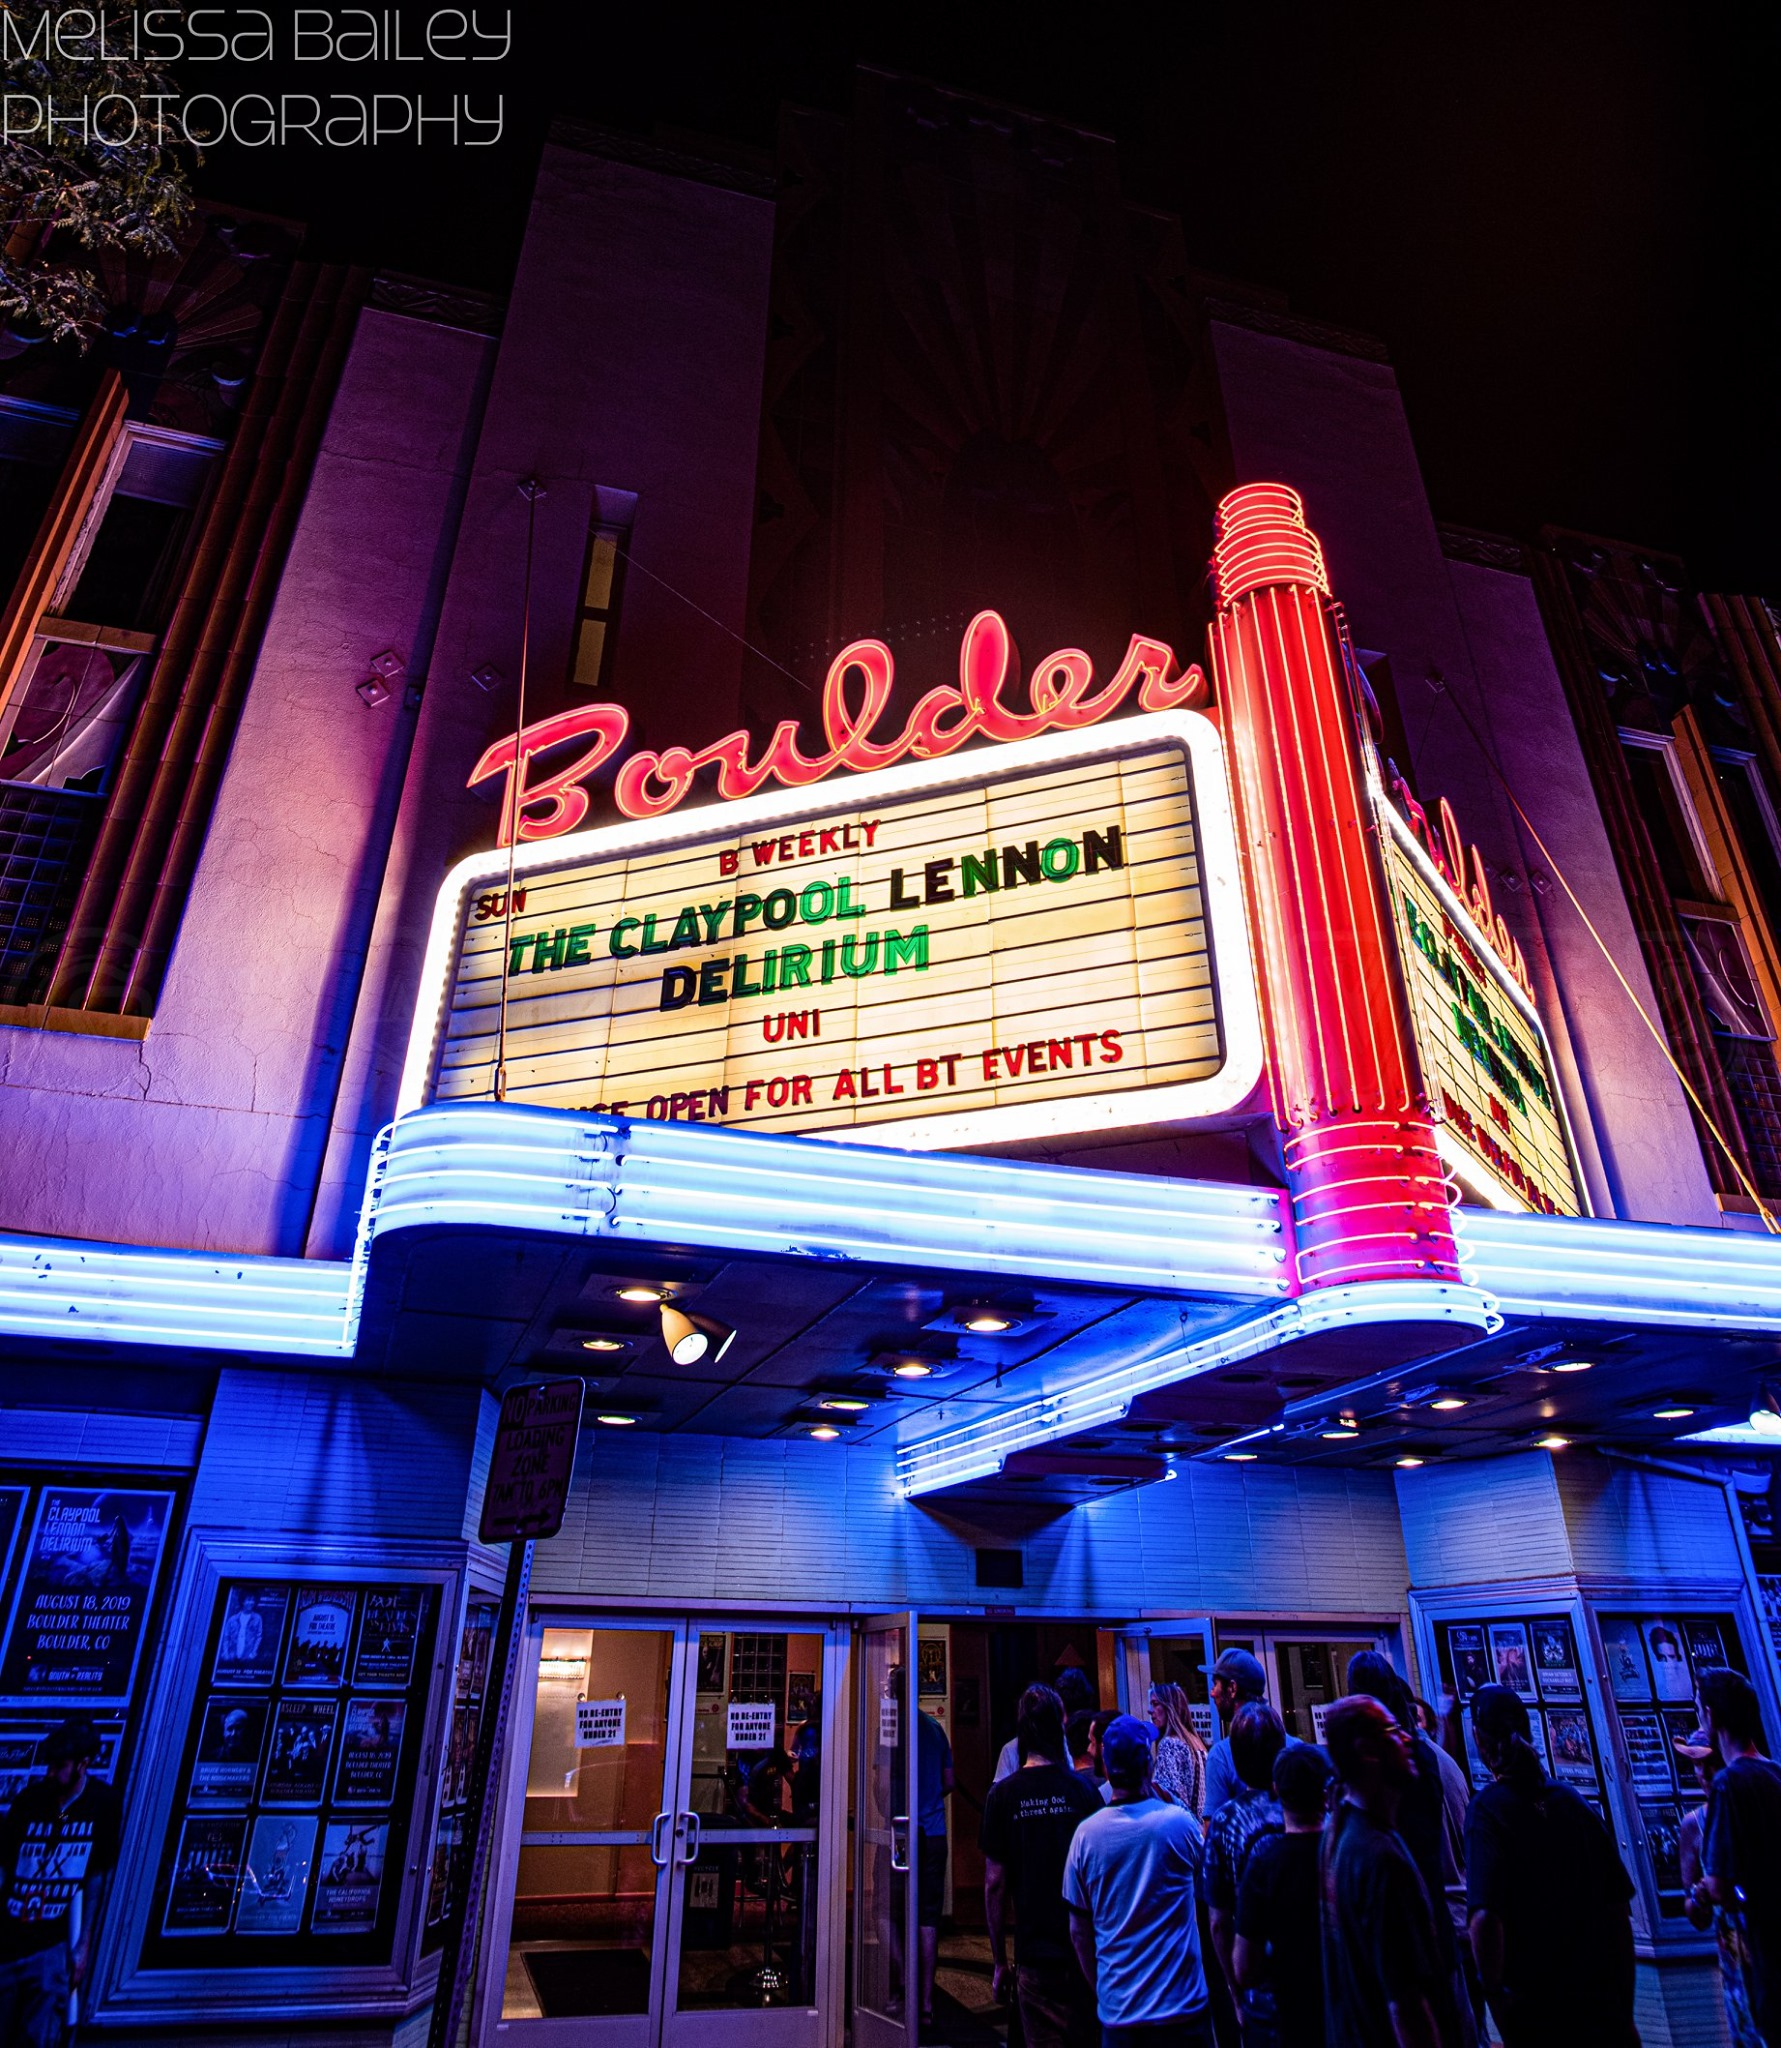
<point>1753,819</point>
<point>602,588</point>
<point>1669,818</point>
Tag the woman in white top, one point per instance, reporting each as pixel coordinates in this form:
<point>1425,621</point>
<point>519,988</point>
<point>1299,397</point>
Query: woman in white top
<point>1178,1765</point>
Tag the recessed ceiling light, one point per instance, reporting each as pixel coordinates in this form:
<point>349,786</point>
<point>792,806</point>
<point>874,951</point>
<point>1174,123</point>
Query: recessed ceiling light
<point>641,1293</point>
<point>845,1404</point>
<point>986,1322</point>
<point>1673,1413</point>
<point>1554,1443</point>
<point>911,1369</point>
<point>616,1421</point>
<point>1239,1457</point>
<point>1448,1401</point>
<point>602,1344</point>
<point>825,1432</point>
<point>1343,1433</point>
<point>1408,1464</point>
<point>1575,1365</point>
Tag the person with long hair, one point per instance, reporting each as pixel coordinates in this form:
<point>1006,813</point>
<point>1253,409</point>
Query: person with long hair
<point>1178,1764</point>
<point>1549,1896</point>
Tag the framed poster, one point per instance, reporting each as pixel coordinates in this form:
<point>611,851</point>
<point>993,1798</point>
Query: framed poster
<point>302,1742</point>
<point>1471,1661</point>
<point>275,1883</point>
<point>92,1563</point>
<point>387,1638</point>
<point>12,1520</point>
<point>713,1656</point>
<point>1669,1663</point>
<point>932,1666</point>
<point>252,1631</point>
<point>370,1752</point>
<point>228,1759</point>
<point>1663,1837</point>
<point>1648,1755</point>
<point>1555,1661</point>
<point>350,1886</point>
<point>320,1627</point>
<point>1624,1648</point>
<point>206,1874</point>
<point>1706,1646</point>
<point>1573,1753</point>
<point>1510,1661</point>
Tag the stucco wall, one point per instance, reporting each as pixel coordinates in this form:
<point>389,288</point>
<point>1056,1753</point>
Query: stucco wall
<point>204,1134</point>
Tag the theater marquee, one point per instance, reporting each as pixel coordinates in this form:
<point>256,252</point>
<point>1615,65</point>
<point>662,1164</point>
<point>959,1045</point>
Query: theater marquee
<point>1042,937</point>
<point>1499,1115</point>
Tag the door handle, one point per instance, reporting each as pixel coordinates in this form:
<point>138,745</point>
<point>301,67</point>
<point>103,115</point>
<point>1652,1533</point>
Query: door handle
<point>900,1820</point>
<point>658,1855</point>
<point>686,1831</point>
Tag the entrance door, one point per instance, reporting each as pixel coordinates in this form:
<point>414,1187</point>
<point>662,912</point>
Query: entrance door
<point>671,1835</point>
<point>1308,1672</point>
<point>886,1937</point>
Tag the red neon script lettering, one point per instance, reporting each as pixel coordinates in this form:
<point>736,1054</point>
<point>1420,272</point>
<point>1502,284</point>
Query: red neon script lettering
<point>648,784</point>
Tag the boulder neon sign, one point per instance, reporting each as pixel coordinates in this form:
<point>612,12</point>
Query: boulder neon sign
<point>1061,697</point>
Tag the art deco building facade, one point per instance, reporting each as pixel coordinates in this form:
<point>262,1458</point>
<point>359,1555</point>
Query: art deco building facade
<point>1344,1220</point>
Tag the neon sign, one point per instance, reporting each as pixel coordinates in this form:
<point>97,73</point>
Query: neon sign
<point>1060,698</point>
<point>1465,878</point>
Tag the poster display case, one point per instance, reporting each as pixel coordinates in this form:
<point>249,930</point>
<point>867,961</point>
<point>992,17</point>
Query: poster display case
<point>274,1859</point>
<point>1608,1672</point>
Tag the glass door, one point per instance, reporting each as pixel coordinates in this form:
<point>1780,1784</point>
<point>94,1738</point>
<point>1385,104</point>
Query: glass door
<point>749,1933</point>
<point>586,1904</point>
<point>886,1933</point>
<point>1168,1653</point>
<point>1308,1672</point>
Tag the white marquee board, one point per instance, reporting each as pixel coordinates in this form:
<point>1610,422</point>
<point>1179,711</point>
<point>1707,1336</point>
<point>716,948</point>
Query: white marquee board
<point>1030,939</point>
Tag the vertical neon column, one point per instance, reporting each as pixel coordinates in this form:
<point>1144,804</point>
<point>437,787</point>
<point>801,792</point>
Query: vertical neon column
<point>1367,1186</point>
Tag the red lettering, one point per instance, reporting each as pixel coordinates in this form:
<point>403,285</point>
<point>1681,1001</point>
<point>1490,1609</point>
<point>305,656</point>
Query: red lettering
<point>751,1094</point>
<point>787,849</point>
<point>831,841</point>
<point>866,1087</point>
<point>844,1088</point>
<point>1060,695</point>
<point>728,861</point>
<point>890,1087</point>
<point>1036,1057</point>
<point>990,1070</point>
<point>800,1089</point>
<point>1015,1057</point>
<point>806,845</point>
<point>763,851</point>
<point>927,1074</point>
<point>1112,1052</point>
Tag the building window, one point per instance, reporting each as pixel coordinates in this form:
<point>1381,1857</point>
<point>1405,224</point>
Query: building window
<point>1670,822</point>
<point>1752,814</point>
<point>602,589</point>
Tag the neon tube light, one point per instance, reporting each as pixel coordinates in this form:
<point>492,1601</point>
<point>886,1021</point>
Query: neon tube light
<point>649,784</point>
<point>979,1449</point>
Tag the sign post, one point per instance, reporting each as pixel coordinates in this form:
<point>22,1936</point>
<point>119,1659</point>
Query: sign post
<point>523,1500</point>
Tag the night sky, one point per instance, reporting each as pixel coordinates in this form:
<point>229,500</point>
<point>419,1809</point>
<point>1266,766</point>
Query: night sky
<point>1560,217</point>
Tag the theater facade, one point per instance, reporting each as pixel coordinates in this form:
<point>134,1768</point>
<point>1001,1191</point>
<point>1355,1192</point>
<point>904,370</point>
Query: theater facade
<point>877,821</point>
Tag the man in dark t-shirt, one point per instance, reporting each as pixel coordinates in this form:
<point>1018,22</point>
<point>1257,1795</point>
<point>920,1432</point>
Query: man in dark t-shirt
<point>1741,1862</point>
<point>1277,1957</point>
<point>1385,1981</point>
<point>1029,1820</point>
<point>1548,1896</point>
<point>57,1841</point>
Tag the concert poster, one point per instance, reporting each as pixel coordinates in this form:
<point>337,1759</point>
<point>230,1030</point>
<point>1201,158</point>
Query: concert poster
<point>253,1628</point>
<point>389,1635</point>
<point>1669,1661</point>
<point>1509,1655</point>
<point>302,1737</point>
<point>1648,1755</point>
<point>351,1881</point>
<point>319,1632</point>
<point>228,1758</point>
<point>1471,1661</point>
<point>91,1566</point>
<point>1573,1754</point>
<point>1625,1651</point>
<point>276,1879</point>
<point>370,1750</point>
<point>1555,1661</point>
<point>206,1875</point>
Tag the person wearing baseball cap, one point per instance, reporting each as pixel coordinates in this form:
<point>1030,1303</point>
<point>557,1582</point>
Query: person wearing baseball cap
<point>1131,1881</point>
<point>1235,1678</point>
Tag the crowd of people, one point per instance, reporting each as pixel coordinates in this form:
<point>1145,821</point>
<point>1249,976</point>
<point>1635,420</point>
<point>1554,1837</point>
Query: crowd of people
<point>1262,1892</point>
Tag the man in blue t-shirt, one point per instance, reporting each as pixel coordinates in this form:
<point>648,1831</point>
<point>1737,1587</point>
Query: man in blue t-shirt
<point>1130,1881</point>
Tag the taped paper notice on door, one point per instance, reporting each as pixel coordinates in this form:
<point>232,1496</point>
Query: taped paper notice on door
<point>887,1723</point>
<point>599,1724</point>
<point>750,1725</point>
<point>1319,1714</point>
